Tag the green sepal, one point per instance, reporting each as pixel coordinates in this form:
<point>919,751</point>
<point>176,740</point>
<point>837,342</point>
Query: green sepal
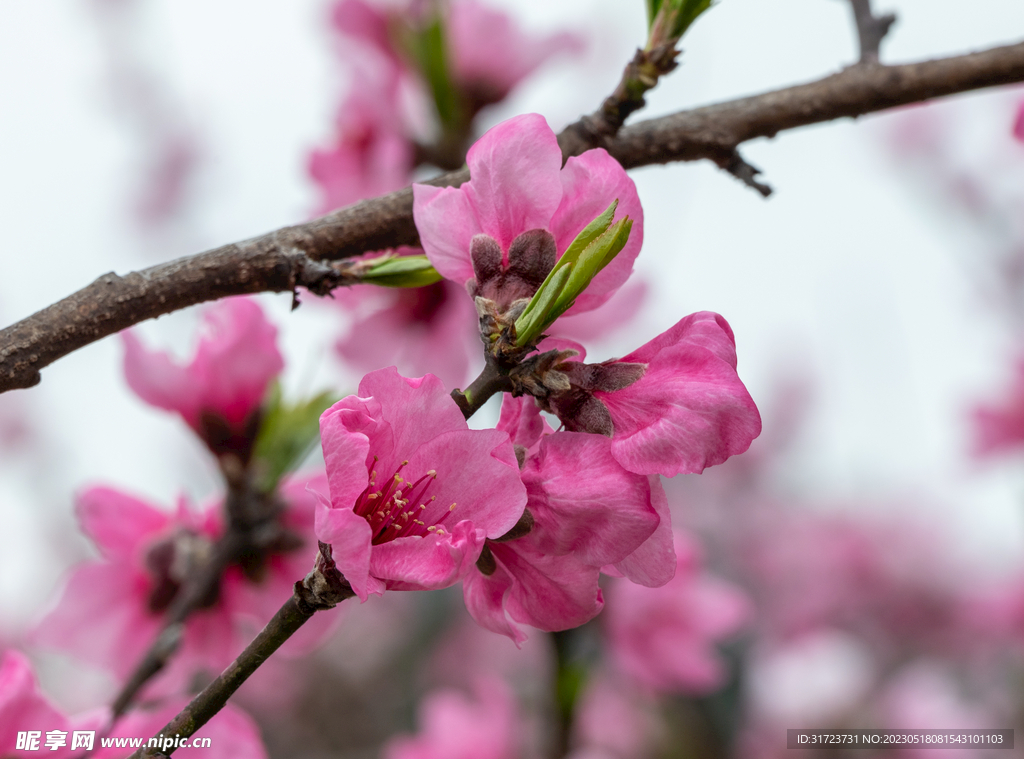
<point>287,435</point>
<point>401,271</point>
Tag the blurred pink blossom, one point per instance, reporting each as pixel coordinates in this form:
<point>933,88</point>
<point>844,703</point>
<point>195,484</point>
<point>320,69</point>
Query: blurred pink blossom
<point>664,638</point>
<point>613,720</point>
<point>490,54</point>
<point>111,610</point>
<point>457,727</point>
<point>24,707</point>
<point>420,330</point>
<point>391,530</point>
<point>501,233</point>
<point>371,154</point>
<point>1000,426</point>
<point>1018,124</point>
<point>219,392</point>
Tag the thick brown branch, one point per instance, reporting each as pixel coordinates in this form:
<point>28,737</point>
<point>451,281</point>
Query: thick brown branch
<point>288,258</point>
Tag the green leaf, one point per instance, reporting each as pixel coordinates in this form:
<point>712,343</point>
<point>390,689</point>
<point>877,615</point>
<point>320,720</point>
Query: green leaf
<point>592,250</point>
<point>673,17</point>
<point>431,54</point>
<point>402,271</point>
<point>653,6</point>
<point>597,255</point>
<point>689,10</point>
<point>590,233</point>
<point>532,322</point>
<point>287,435</point>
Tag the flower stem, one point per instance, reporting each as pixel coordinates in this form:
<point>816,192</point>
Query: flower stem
<point>493,379</point>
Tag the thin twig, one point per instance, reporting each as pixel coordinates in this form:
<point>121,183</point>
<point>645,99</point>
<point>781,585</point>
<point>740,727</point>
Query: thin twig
<point>323,588</point>
<point>292,257</point>
<point>871,29</point>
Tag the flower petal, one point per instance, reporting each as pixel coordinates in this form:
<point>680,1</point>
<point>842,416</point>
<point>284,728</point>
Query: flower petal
<point>690,410</point>
<point>590,183</point>
<point>117,522</point>
<point>584,503</point>
<point>515,184</point>
<point>349,535</point>
<point>653,563</point>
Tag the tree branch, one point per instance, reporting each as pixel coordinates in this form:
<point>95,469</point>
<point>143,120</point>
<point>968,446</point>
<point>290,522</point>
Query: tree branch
<point>323,588</point>
<point>292,257</point>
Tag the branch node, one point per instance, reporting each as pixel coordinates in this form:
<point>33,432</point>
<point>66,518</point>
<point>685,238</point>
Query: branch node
<point>746,172</point>
<point>324,587</point>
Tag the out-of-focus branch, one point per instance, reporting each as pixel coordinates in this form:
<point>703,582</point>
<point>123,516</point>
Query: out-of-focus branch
<point>323,588</point>
<point>871,29</point>
<point>293,257</point>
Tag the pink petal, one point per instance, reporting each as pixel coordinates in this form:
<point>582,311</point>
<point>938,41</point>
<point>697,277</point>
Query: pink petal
<point>653,563</point>
<point>349,535</point>
<point>1018,125</point>
<point>447,223</point>
<point>489,492</point>
<point>426,563</point>
<point>690,410</point>
<point>345,430</point>
<point>548,592</point>
<point>415,409</point>
<point>591,182</point>
<point>237,359</point>
<point>584,503</point>
<point>158,380</point>
<point>484,596</point>
<point>118,523</point>
<point>522,420</point>
<point>101,617</point>
<point>491,54</point>
<point>515,185</point>
<point>23,706</point>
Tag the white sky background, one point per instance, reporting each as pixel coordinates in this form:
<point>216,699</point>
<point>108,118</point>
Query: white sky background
<point>847,276</point>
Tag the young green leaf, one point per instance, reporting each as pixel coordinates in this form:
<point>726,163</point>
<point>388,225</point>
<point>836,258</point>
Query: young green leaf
<point>402,271</point>
<point>287,435</point>
<point>533,321</point>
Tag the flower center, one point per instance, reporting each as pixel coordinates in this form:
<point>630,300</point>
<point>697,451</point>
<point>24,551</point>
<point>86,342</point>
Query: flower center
<point>399,507</point>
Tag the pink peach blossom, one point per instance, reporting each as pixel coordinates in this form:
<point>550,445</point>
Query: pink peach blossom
<point>112,609</point>
<point>420,330</point>
<point>587,513</point>
<point>664,638</point>
<point>1000,427</point>
<point>501,232</point>
<point>413,491</point>
<point>1018,124</point>
<point>24,707</point>
<point>613,720</point>
<point>673,406</point>
<point>218,392</point>
<point>490,55</point>
<point>457,727</point>
<point>371,154</point>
